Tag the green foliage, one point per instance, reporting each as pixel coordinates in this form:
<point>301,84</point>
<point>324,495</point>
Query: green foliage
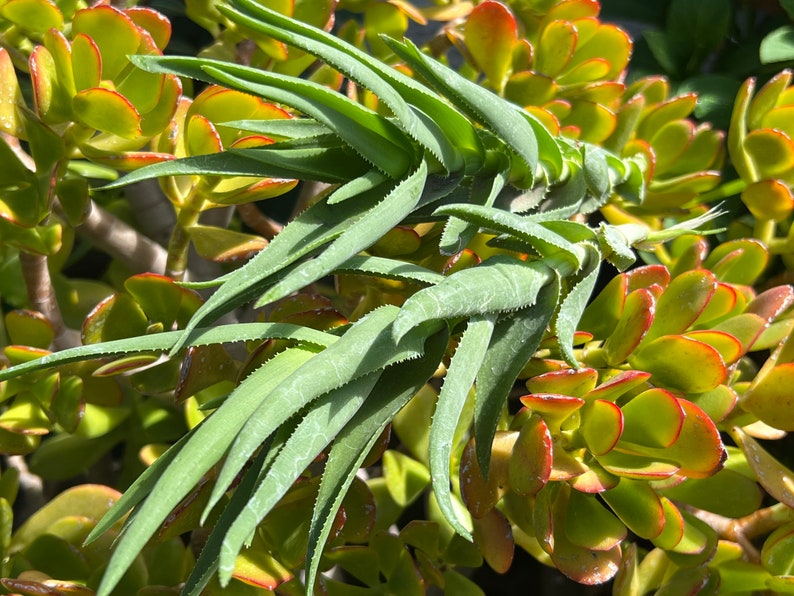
<point>293,405</point>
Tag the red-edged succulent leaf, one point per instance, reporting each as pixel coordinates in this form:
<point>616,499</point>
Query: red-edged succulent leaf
<point>86,63</point>
<point>202,137</point>
<point>29,328</point>
<point>115,34</point>
<point>727,493</point>
<point>602,425</point>
<point>225,246</point>
<point>108,111</point>
<point>605,310</point>
<point>725,301</point>
<point>591,525</point>
<point>243,190</point>
<point>776,479</point>
<point>532,458</point>
<point>157,295</point>
<point>648,276</point>
<point>699,450</point>
<point>673,531</point>
<point>555,48</point>
<point>553,407</point>
<point>777,554</point>
<point>156,120</point>
<point>481,495</point>
<point>33,16</point>
<point>665,112</point>
<point>22,354</point>
<point>256,567</point>
<point>459,261</point>
<point>116,317</point>
<point>494,537</point>
<point>769,199</point>
<point>125,365</point>
<point>10,96</point>
<point>772,303</point>
<point>770,397</point>
<point>638,506</point>
<point>636,320</point>
<point>730,348</point>
<point>584,565</point>
<point>595,121</point>
<point>767,98</point>
<point>595,480</point>
<point>396,242</point>
<point>669,359</point>
<point>637,466</point>
<point>154,22</point>
<point>738,261</point>
<point>717,403</point>
<point>619,385</point>
<point>745,328</point>
<point>771,150</point>
<point>573,382</point>
<point>780,118</point>
<point>654,418</point>
<point>491,33</point>
<point>202,367</point>
<point>682,302</point>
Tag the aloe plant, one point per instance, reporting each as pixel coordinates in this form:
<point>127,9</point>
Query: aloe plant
<point>461,230</point>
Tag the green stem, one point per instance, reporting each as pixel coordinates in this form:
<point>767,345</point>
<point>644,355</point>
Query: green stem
<point>764,230</point>
<point>723,191</point>
<point>178,245</point>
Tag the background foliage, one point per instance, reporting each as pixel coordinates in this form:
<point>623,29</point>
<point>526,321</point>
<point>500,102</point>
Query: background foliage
<point>373,315</point>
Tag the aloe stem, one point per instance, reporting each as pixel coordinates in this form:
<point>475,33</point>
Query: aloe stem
<point>723,191</point>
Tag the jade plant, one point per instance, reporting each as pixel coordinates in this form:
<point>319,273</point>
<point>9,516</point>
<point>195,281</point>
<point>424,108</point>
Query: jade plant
<point>454,320</point>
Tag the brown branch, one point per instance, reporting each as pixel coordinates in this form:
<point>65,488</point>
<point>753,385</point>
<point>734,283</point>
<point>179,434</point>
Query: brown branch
<point>258,221</point>
<point>41,296</point>
<point>122,242</point>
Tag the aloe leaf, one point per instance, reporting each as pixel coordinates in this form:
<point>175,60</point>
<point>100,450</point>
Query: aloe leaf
<point>390,269</point>
<point>366,347</point>
<point>397,385</point>
<point>207,445</point>
<point>508,121</point>
<point>319,427</point>
<point>459,232</point>
<point>305,164</point>
<point>160,342</point>
<point>365,183</point>
<point>500,284</point>
<point>291,128</point>
<point>316,226</point>
<point>574,303</point>
<point>374,137</point>
<point>358,66</point>
<point>371,227</point>
<point>208,561</point>
<point>514,341</point>
<point>457,384</point>
<point>535,235</point>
